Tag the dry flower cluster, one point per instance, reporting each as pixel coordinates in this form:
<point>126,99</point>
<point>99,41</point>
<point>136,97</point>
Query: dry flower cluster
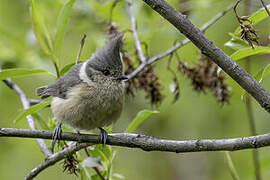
<point>205,75</point>
<point>71,163</point>
<point>146,80</point>
<point>247,32</point>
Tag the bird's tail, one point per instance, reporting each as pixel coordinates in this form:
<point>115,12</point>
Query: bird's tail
<point>42,92</point>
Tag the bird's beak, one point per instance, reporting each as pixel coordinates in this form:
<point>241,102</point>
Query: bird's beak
<point>122,78</point>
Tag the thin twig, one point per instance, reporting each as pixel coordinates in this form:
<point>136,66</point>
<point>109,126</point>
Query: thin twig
<point>230,165</point>
<point>265,7</point>
<point>134,32</point>
<point>249,109</point>
<point>80,49</point>
<point>179,44</point>
<point>234,9</point>
<point>255,152</point>
<point>30,120</point>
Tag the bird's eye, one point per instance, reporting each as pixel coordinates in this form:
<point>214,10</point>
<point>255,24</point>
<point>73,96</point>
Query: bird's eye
<point>106,72</point>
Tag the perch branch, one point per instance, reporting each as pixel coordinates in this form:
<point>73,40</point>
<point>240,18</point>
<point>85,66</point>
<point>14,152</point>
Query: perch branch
<point>179,44</point>
<point>148,143</point>
<point>208,48</point>
<point>30,120</point>
<point>131,140</point>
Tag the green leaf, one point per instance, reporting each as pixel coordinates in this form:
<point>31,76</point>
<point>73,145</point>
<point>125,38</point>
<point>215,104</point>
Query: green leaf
<point>91,161</point>
<point>40,29</point>
<point>255,18</point>
<point>263,73</point>
<point>83,174</point>
<point>242,53</point>
<point>141,116</point>
<point>117,176</point>
<point>96,176</point>
<point>66,68</point>
<point>236,43</point>
<point>104,155</point>
<point>260,76</point>
<point>62,22</point>
<point>18,72</point>
<point>41,121</point>
<point>32,110</point>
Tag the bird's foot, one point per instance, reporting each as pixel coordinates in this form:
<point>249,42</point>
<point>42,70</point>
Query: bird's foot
<point>56,135</point>
<point>103,137</point>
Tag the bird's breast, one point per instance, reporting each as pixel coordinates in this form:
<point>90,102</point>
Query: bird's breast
<point>88,107</point>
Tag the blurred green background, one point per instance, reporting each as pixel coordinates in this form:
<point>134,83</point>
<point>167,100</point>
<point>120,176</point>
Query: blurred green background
<point>193,116</point>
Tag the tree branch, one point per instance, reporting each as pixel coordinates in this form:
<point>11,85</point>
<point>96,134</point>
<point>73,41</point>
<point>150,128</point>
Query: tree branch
<point>131,140</point>
<point>179,44</point>
<point>148,143</point>
<point>54,158</point>
<point>207,47</point>
<point>30,120</point>
<point>265,7</point>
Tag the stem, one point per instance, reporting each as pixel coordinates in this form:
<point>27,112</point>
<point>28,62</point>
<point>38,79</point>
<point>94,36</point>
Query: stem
<point>80,49</point>
<point>249,109</point>
<point>95,168</point>
<point>54,60</point>
<point>265,7</point>
<point>230,165</point>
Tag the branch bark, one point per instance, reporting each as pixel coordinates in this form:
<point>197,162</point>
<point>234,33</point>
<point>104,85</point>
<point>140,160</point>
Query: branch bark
<point>30,120</point>
<point>148,143</point>
<point>54,158</point>
<point>184,25</point>
<point>134,32</point>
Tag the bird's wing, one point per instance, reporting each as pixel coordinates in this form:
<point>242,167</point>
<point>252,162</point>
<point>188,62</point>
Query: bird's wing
<point>61,85</point>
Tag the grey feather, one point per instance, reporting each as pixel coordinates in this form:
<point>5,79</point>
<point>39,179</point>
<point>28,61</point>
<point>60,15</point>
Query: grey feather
<point>60,86</point>
<point>108,56</point>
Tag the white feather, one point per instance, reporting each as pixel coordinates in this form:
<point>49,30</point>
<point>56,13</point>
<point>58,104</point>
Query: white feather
<point>83,75</point>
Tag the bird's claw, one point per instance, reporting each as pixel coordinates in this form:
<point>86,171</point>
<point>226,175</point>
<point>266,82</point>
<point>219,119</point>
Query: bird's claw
<point>56,135</point>
<point>103,137</point>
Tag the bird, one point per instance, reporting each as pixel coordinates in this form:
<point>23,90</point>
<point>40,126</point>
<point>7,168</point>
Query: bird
<point>91,94</point>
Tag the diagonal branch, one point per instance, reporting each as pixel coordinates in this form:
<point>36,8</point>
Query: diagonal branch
<point>134,32</point>
<point>265,7</point>
<point>179,44</point>
<point>54,158</point>
<point>208,48</point>
<point>30,120</point>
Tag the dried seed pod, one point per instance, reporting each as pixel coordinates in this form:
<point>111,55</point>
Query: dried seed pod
<point>145,80</point>
<point>205,75</point>
<point>71,163</point>
<point>247,32</point>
